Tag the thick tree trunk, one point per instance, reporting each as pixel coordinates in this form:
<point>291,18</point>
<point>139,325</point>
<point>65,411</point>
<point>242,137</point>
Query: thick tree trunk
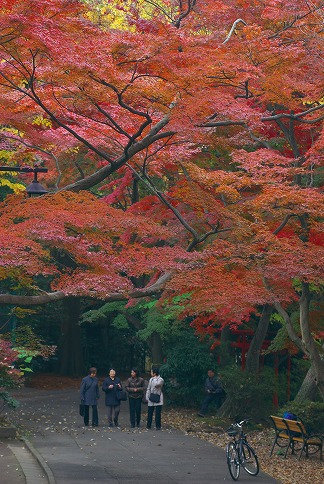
<point>71,359</point>
<point>253,354</point>
<point>225,349</point>
<point>317,362</point>
<point>308,389</point>
<point>306,343</point>
<point>155,344</point>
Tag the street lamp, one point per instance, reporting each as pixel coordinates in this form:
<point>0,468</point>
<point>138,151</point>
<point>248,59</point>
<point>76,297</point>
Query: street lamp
<point>35,188</point>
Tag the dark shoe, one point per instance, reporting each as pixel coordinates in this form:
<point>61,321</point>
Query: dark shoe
<point>148,428</point>
<point>132,426</point>
<point>158,428</point>
<point>200,415</point>
<point>110,425</point>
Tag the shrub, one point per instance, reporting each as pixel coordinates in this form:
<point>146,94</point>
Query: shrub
<point>7,401</point>
<point>185,371</point>
<point>248,395</point>
<point>311,413</point>
<point>9,376</point>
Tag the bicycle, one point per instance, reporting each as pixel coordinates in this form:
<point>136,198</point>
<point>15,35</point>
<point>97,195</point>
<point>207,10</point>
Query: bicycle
<point>240,453</point>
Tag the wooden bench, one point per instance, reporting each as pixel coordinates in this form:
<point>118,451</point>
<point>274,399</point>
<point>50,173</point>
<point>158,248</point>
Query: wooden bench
<point>291,434</point>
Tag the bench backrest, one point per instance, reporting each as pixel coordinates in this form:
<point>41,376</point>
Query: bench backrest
<point>295,426</point>
<point>278,422</point>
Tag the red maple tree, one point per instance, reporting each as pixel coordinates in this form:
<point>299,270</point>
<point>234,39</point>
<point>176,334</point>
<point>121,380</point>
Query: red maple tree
<point>217,112</point>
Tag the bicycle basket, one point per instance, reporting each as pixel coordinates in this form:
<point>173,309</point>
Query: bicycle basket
<point>232,432</point>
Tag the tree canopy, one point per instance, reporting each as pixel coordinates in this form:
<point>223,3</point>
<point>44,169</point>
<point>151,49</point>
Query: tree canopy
<point>198,128</point>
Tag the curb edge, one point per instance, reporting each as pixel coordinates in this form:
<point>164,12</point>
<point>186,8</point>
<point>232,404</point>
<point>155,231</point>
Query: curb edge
<point>40,460</point>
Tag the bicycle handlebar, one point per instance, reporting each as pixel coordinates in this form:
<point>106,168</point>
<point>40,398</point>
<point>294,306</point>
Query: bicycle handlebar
<point>240,424</point>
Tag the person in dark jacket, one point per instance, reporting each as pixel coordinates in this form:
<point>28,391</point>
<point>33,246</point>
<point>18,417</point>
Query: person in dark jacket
<point>135,389</point>
<point>89,394</point>
<point>110,386</point>
<point>214,392</point>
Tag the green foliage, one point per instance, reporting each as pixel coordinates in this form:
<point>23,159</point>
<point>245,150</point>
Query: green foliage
<point>311,413</point>
<point>7,401</point>
<point>248,395</point>
<point>120,322</point>
<point>155,321</point>
<point>281,340</point>
<point>95,316</point>
<point>184,373</point>
<point>299,369</point>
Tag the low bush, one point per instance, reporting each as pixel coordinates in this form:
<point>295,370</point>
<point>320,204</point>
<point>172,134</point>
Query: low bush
<point>248,395</point>
<point>311,413</point>
<point>185,370</point>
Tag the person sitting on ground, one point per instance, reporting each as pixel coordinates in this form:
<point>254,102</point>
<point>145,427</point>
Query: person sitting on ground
<point>214,392</point>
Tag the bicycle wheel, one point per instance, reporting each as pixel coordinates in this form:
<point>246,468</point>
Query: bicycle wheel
<point>232,461</point>
<point>249,460</point>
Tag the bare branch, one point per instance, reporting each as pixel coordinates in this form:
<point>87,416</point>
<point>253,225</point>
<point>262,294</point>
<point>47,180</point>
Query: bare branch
<point>233,28</point>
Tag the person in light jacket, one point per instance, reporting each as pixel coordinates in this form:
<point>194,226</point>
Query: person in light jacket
<point>155,386</point>
<point>110,386</point>
<point>89,394</point>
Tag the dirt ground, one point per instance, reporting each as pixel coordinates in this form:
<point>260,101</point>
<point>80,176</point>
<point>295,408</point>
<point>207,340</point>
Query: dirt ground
<point>287,471</point>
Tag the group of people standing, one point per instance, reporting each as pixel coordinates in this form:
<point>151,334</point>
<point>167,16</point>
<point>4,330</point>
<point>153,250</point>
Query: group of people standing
<point>137,389</point>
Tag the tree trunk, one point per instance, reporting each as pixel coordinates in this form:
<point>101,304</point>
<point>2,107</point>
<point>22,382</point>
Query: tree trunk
<point>308,389</point>
<point>253,354</point>
<point>71,358</point>
<point>154,342</point>
<point>155,345</point>
<point>225,349</point>
<point>317,363</point>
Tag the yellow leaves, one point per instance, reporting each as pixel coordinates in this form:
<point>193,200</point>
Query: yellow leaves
<point>3,273</point>
<point>22,313</point>
<point>13,131</point>
<point>73,150</point>
<point>6,155</point>
<point>107,14</point>
<point>41,121</point>
<point>15,187</point>
<point>110,13</point>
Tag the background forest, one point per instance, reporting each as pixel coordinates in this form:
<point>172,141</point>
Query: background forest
<point>182,223</point>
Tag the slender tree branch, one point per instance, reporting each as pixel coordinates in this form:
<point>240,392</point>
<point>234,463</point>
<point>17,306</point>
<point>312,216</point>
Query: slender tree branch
<point>239,20</point>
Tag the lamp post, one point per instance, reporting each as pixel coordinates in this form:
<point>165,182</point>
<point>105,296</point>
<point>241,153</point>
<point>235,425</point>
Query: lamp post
<point>35,188</point>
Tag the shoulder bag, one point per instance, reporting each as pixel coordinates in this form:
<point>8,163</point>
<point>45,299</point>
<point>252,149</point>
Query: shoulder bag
<point>154,398</point>
<point>121,395</point>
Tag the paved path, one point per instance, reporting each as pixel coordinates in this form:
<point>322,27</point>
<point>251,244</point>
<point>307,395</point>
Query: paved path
<point>68,453</point>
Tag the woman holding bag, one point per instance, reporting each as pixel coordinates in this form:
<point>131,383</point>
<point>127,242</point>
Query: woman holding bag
<point>111,386</point>
<point>135,389</point>
<point>154,398</point>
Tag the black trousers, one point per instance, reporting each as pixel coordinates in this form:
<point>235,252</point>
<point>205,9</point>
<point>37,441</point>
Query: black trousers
<point>135,406</point>
<point>150,411</point>
<point>210,398</point>
<point>94,415</point>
